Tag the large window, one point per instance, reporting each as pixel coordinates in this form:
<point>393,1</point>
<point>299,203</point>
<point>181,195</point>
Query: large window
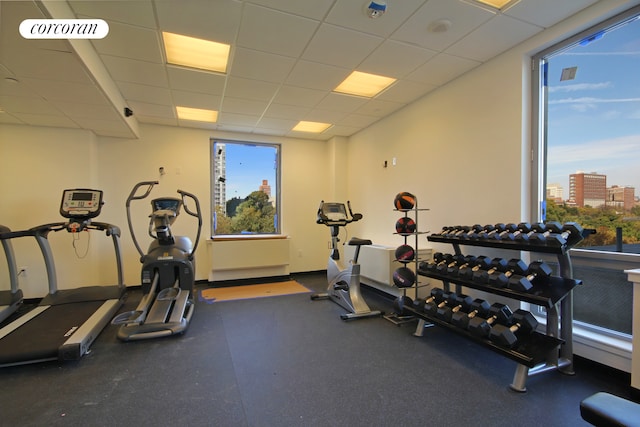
<point>245,188</point>
<point>587,103</point>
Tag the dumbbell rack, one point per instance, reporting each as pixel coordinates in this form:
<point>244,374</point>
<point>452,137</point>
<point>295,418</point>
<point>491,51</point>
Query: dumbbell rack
<point>538,352</point>
<point>394,317</point>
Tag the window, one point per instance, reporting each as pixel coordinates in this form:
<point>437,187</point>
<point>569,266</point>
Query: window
<point>245,188</point>
<point>586,94</point>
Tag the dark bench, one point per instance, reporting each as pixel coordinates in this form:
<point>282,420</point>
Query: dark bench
<point>606,410</point>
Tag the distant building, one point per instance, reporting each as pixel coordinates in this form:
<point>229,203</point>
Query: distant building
<point>555,193</point>
<point>587,189</point>
<point>621,198</point>
<point>265,187</point>
<point>220,177</point>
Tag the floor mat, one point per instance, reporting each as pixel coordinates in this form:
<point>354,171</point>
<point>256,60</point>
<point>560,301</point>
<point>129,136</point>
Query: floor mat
<point>252,291</point>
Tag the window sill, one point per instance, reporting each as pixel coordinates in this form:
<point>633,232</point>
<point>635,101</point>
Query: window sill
<point>243,237</point>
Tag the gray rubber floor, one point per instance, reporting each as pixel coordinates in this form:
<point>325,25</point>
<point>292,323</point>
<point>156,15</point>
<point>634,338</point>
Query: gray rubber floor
<point>290,361</point>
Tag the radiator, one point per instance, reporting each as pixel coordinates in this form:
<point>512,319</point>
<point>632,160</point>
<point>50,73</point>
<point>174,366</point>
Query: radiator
<point>245,258</point>
<point>377,264</point>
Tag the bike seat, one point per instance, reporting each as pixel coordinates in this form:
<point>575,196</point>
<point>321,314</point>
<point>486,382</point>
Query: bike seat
<point>355,241</point>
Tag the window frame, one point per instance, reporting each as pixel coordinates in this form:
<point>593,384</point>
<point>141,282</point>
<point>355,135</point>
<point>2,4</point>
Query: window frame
<point>278,187</point>
<point>538,183</point>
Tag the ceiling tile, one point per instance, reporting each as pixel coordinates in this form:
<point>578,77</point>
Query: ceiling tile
<point>442,68</point>
<point>316,9</point>
<point>340,47</point>
<point>351,14</point>
<point>341,102</point>
<point>312,75</point>
<point>191,80</point>
<point>139,12</point>
<point>464,18</point>
<point>537,12</point>
<point>253,64</point>
<point>148,94</point>
<point>131,42</point>
<point>282,111</point>
<point>196,100</point>
<point>300,96</point>
<point>395,59</point>
<point>210,20</point>
<point>132,71</point>
<point>250,89</point>
<point>406,91</point>
<point>243,106</point>
<point>498,34</point>
<point>264,29</point>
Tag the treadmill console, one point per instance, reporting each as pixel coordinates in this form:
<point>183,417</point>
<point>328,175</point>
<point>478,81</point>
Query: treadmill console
<point>81,203</point>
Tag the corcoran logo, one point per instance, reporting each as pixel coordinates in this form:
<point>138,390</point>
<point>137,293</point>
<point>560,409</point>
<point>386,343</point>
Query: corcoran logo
<point>64,29</point>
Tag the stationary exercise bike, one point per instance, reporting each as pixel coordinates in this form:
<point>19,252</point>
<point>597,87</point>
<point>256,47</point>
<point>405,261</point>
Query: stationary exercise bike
<point>344,280</point>
<point>168,270</point>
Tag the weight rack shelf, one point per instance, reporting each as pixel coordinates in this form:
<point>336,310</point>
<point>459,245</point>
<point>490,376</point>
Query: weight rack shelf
<point>550,351</point>
<point>529,352</point>
<point>545,294</point>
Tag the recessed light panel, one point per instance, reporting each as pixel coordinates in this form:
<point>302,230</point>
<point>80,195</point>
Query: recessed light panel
<point>197,114</point>
<point>312,127</point>
<point>196,53</point>
<point>364,84</point>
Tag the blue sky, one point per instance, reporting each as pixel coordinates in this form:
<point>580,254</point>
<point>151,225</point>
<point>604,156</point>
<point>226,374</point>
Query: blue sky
<point>247,166</point>
<point>594,119</point>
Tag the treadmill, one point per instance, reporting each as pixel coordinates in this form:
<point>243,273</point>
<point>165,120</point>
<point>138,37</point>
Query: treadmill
<point>11,299</point>
<point>66,321</point>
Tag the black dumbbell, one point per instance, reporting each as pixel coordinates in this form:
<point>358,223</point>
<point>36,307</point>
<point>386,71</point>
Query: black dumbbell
<point>568,229</point>
<point>523,324</point>
<point>480,263</point>
<point>497,265</point>
<point>438,258</point>
<point>479,307</point>
<point>436,294</point>
<point>450,265</point>
<point>400,303</point>
<point>523,283</point>
<point>432,307</point>
<point>540,236</point>
<point>482,235</point>
<point>498,314</point>
<point>462,303</point>
<point>522,228</point>
<point>461,261</point>
<point>473,231</point>
<point>497,229</point>
<point>500,279</point>
<point>538,227</point>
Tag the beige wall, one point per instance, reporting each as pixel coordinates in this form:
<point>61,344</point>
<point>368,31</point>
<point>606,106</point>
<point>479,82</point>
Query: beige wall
<point>463,150</point>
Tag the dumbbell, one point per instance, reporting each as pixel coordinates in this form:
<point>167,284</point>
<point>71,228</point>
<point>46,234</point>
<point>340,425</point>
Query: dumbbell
<point>438,259</point>
<point>461,261</point>
<point>500,279</point>
<point>400,303</point>
<point>540,236</point>
<point>482,235</point>
<point>559,239</point>
<point>523,283</point>
<point>522,228</point>
<point>432,307</point>
<point>497,229</point>
<point>479,307</point>
<point>443,268</point>
<point>472,232</point>
<point>462,303</point>
<point>436,294</point>
<point>497,265</point>
<point>509,229</point>
<point>535,228</point>
<point>498,314</point>
<point>523,323</point>
<point>481,263</point>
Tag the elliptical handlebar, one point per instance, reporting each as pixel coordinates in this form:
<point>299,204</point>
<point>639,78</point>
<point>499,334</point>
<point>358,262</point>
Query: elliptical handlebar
<point>197,214</point>
<point>133,196</point>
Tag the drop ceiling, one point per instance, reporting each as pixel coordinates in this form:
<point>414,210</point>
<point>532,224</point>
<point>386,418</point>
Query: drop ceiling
<point>286,58</point>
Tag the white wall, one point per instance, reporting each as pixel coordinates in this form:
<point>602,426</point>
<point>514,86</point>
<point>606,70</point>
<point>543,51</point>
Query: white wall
<point>38,163</point>
<point>463,150</point>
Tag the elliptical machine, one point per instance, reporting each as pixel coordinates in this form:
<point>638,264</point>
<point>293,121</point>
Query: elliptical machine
<point>344,280</point>
<point>168,270</point>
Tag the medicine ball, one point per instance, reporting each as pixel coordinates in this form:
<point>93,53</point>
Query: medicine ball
<point>404,201</point>
<point>404,277</point>
<point>405,253</point>
<point>405,225</point>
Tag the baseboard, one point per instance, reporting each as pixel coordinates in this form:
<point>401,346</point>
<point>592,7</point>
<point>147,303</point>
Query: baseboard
<point>244,282</point>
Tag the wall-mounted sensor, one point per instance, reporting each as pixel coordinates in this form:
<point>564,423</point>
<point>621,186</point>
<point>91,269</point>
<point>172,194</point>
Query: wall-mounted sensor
<point>376,8</point>
<point>128,112</point>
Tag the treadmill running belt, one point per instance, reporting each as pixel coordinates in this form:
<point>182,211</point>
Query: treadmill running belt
<point>40,338</point>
